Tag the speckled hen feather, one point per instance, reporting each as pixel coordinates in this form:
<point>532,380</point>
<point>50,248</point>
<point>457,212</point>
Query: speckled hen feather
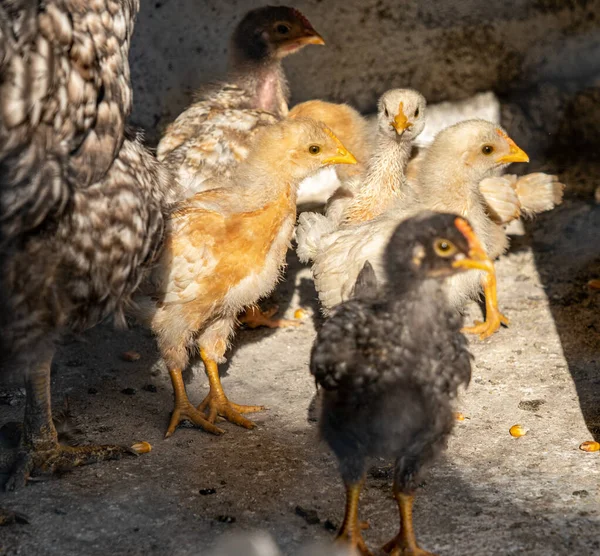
<point>81,204</point>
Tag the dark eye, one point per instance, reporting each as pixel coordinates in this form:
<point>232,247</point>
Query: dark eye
<point>386,113</point>
<point>487,149</point>
<point>314,149</point>
<point>282,28</point>
<point>444,247</point>
<point>417,113</point>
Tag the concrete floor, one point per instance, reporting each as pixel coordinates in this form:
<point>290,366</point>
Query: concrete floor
<point>491,494</point>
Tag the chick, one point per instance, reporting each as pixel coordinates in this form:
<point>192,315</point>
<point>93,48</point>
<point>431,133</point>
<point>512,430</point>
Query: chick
<point>459,158</point>
<point>367,196</point>
<point>214,134</point>
<point>225,249</point>
<point>401,119</point>
<point>391,362</point>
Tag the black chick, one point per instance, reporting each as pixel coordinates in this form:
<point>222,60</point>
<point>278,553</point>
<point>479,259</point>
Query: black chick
<point>390,362</point>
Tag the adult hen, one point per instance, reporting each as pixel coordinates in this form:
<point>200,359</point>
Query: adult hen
<point>390,362</point>
<point>214,134</point>
<point>225,249</point>
<point>459,158</point>
<point>81,205</point>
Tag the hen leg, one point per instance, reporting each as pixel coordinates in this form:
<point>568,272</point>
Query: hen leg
<point>493,317</point>
<point>216,401</point>
<point>253,317</point>
<point>350,531</point>
<point>184,410</point>
<point>405,543</point>
<point>39,451</point>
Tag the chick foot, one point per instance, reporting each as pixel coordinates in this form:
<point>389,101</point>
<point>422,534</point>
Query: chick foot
<point>254,317</point>
<point>405,543</point>
<point>493,317</point>
<point>185,411</point>
<point>350,532</point>
<point>219,406</point>
<point>216,402</point>
<point>53,457</point>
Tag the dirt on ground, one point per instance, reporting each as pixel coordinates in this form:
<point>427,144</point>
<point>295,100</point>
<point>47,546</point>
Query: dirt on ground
<point>490,494</point>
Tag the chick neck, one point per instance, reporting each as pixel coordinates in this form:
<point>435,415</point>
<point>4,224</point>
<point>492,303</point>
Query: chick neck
<point>263,80</point>
<point>424,298</point>
<point>384,180</point>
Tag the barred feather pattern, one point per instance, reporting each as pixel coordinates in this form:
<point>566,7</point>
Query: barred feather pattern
<point>81,200</point>
<point>64,96</point>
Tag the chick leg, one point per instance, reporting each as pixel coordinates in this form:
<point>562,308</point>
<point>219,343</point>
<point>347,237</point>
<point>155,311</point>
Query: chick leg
<point>405,543</point>
<point>39,451</point>
<point>350,531</point>
<point>493,317</point>
<point>184,410</point>
<point>253,317</point>
<point>217,403</point>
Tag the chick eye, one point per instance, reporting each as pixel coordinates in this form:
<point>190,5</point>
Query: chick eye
<point>487,149</point>
<point>417,113</point>
<point>444,248</point>
<point>386,113</point>
<point>282,28</point>
<point>314,149</point>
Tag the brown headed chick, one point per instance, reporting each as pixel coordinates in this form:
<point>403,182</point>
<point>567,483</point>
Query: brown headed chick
<point>214,134</point>
<point>459,158</point>
<point>225,249</point>
<point>390,362</point>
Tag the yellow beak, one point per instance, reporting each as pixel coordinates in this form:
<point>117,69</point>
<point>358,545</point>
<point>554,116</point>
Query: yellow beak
<point>312,38</point>
<point>477,258</point>
<point>401,122</point>
<point>516,154</point>
<point>343,156</point>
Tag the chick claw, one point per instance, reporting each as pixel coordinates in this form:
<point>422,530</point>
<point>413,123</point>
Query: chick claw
<point>356,541</point>
<point>254,317</point>
<point>493,321</point>
<point>219,406</point>
<point>185,411</point>
<point>397,547</point>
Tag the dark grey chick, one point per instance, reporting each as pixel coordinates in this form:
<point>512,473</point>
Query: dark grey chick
<point>390,362</point>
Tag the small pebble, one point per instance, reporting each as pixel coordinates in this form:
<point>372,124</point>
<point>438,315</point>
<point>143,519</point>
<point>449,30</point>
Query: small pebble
<point>92,391</point>
<point>206,491</point>
<point>128,391</point>
<point>225,519</point>
<point>330,526</point>
<point>150,388</point>
<point>131,356</point>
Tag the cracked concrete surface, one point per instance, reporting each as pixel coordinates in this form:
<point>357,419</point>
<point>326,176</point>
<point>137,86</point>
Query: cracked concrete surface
<point>490,494</point>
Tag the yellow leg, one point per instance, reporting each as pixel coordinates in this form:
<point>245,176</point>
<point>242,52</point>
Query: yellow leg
<point>184,410</point>
<point>253,317</point>
<point>350,531</point>
<point>217,403</point>
<point>405,542</point>
<point>493,317</point>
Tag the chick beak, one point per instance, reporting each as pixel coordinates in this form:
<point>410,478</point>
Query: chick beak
<point>477,258</point>
<point>515,153</point>
<point>401,122</point>
<point>343,156</point>
<point>310,37</point>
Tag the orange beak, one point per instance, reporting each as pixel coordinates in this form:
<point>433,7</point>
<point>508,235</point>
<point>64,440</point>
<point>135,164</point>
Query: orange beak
<point>515,153</point>
<point>401,122</point>
<point>477,258</point>
<point>311,37</point>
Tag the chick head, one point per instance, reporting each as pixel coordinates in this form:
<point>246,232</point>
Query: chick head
<point>481,147</point>
<point>272,32</point>
<point>401,114</point>
<point>302,146</point>
<point>433,245</point>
